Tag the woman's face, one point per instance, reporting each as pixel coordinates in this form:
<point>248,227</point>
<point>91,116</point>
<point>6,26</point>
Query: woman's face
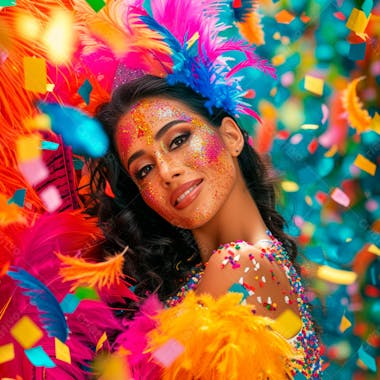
<point>179,162</point>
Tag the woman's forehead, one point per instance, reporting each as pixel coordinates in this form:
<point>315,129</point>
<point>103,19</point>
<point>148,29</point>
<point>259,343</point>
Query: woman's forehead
<point>142,121</point>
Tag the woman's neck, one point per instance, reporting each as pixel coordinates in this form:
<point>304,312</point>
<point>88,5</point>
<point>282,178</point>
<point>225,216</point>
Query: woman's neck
<point>238,219</point>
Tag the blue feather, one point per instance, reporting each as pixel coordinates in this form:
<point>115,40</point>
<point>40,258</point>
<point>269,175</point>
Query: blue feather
<point>171,41</point>
<point>52,316</point>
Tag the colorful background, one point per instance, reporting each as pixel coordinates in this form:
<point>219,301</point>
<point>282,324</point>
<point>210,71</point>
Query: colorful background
<point>320,126</point>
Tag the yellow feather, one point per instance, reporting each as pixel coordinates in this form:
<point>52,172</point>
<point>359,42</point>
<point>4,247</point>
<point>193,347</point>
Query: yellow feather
<point>222,339</point>
<point>358,117</point>
<point>84,273</point>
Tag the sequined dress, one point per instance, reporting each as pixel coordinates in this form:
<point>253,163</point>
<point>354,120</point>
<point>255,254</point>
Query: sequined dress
<point>274,251</point>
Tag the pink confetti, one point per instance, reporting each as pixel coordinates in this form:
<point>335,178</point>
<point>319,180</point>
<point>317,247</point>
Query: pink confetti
<point>325,113</point>
<point>340,197</point>
<point>51,198</point>
<point>34,171</point>
<point>168,352</point>
<point>287,79</point>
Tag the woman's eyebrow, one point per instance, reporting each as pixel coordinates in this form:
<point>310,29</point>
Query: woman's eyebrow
<point>157,136</point>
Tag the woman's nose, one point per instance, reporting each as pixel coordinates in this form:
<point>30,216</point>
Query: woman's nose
<point>168,169</point>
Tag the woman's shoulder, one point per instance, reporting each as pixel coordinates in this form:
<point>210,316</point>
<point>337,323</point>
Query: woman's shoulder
<point>256,271</point>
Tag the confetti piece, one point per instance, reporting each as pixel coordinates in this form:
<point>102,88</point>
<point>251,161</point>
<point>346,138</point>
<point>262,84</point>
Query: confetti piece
<point>193,40</point>
<point>59,37</point>
<point>49,145</point>
<point>368,360</point>
<point>18,197</point>
<point>69,303</point>
<point>85,91</point>
<point>86,293</point>
<point>101,341</point>
<point>284,17</point>
<point>39,358</point>
<point>51,198</point>
<point>168,352</point>
<point>35,74</point>
<point>40,122</point>
<point>26,332</point>
<point>314,84</point>
<point>288,324</point>
<point>357,51</point>
<point>325,113</point>
<point>62,351</point>
<point>344,324</point>
<point>7,353</point>
<point>340,197</point>
<point>28,148</point>
<point>310,126</point>
<point>375,123</point>
<point>374,249</point>
<point>34,171</point>
<point>357,22</point>
<point>363,163</point>
<point>289,186</point>
<point>7,3</point>
<point>238,288</point>
<point>336,276</point>
<point>278,60</point>
<point>96,5</point>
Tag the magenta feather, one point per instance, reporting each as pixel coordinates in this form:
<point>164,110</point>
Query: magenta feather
<point>134,339</point>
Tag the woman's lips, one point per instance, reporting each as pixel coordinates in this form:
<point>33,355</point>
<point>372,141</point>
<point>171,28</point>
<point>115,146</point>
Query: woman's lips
<point>186,193</point>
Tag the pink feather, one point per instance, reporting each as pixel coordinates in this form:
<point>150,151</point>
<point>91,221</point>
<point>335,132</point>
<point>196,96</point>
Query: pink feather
<point>134,340</point>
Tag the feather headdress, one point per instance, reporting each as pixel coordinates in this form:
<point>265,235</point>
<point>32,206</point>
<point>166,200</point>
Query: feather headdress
<point>184,40</point>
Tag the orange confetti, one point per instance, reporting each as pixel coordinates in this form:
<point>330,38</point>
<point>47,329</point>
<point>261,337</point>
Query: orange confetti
<point>363,163</point>
<point>284,17</point>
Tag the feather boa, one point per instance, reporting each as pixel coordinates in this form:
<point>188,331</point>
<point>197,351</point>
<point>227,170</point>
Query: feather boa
<point>220,339</point>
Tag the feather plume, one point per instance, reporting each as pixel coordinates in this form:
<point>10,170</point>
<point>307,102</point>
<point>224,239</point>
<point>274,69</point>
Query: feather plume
<point>251,29</point>
<point>91,274</point>
<point>357,116</point>
<point>221,338</point>
<point>51,314</point>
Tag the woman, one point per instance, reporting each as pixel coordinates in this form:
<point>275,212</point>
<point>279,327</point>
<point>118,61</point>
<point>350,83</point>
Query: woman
<point>194,203</point>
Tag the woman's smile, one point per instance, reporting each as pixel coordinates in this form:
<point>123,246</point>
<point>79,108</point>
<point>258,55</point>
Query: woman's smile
<point>189,191</point>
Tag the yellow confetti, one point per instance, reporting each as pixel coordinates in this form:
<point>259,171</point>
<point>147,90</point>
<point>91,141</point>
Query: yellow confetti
<point>26,332</point>
<point>314,84</point>
<point>59,37</point>
<point>358,21</point>
<point>336,276</point>
<point>101,340</point>
<point>7,353</point>
<point>289,186</point>
<point>331,152</point>
<point>62,351</point>
<point>28,27</point>
<point>363,163</point>
<point>344,324</point>
<point>288,324</point>
<point>375,123</point>
<point>192,40</point>
<point>28,148</point>
<point>40,122</point>
<point>374,249</point>
<point>278,60</point>
<point>35,74</point>
<point>310,126</point>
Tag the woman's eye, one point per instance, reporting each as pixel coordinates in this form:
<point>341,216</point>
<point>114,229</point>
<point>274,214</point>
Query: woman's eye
<point>178,141</point>
<point>140,174</point>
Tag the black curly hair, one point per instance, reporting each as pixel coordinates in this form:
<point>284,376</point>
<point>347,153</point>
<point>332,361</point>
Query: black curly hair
<point>160,255</point>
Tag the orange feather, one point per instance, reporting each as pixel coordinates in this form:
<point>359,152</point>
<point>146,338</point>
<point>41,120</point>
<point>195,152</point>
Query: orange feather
<point>251,29</point>
<point>85,273</point>
<point>358,117</point>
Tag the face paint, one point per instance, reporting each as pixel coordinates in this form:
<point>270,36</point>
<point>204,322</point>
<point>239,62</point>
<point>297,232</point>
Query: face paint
<point>188,150</point>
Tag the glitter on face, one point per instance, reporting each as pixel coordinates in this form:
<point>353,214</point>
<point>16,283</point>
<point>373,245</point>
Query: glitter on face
<point>202,156</point>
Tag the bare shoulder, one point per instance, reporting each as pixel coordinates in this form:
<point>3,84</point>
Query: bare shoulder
<point>252,270</point>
